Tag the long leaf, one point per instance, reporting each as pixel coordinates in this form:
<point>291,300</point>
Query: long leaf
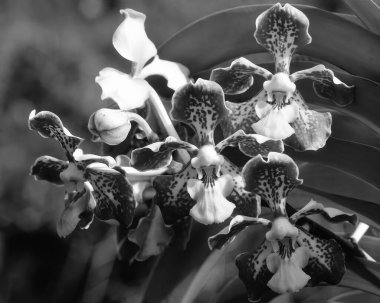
<point>228,34</point>
<point>368,12</point>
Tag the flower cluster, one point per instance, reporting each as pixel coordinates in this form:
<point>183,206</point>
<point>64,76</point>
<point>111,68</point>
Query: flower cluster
<point>183,168</point>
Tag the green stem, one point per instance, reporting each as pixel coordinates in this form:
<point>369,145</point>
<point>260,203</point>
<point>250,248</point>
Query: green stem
<point>143,125</point>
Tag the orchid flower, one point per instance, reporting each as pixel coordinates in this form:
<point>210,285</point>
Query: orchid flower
<point>209,187</point>
<point>92,185</point>
<point>131,91</point>
<point>279,111</point>
<point>290,258</point>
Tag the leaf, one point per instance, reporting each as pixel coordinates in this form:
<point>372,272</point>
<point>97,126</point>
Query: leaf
<point>215,38</point>
<point>368,12</point>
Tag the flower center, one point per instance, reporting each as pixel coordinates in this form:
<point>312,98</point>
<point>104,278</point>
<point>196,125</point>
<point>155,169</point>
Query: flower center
<point>209,174</point>
<point>207,163</point>
<point>285,248</point>
<point>279,89</point>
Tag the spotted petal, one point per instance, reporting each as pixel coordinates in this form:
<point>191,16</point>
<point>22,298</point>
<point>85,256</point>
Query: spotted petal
<point>131,41</point>
<point>49,169</point>
<point>200,105</point>
<point>252,144</point>
<point>49,125</point>
<point>281,30</point>
<point>113,194</point>
<point>326,259</point>
<point>272,179</point>
<point>175,73</point>
<point>158,154</point>
<point>326,85</point>
<point>245,201</point>
<point>129,93</point>
<point>331,214</point>
<point>79,210</point>
<point>238,78</point>
<point>253,271</point>
<point>237,224</point>
<point>311,130</point>
<point>151,235</point>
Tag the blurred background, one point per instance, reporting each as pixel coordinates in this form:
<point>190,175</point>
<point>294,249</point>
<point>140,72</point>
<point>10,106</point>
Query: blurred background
<point>50,53</point>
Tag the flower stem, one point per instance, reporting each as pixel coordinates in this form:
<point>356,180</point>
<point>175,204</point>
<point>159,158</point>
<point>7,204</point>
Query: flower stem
<point>151,135</point>
<point>167,122</point>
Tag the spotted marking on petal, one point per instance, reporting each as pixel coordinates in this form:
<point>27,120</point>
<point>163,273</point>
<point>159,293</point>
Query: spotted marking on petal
<point>242,115</point>
<point>252,144</point>
<point>238,78</point>
<point>49,125</point>
<point>311,130</point>
<point>272,179</point>
<point>113,194</point>
<point>326,262</point>
<point>172,196</point>
<point>200,105</point>
<point>244,200</point>
<point>253,271</point>
<point>48,168</point>
<point>159,154</point>
<point>281,30</point>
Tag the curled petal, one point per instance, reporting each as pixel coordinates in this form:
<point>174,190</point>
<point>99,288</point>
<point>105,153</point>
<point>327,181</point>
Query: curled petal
<point>331,214</point>
<point>151,235</point>
<point>326,259</point>
<point>281,30</point>
<point>111,125</point>
<point>212,206</point>
<point>176,74</point>
<point>172,196</point>
<point>326,85</point>
<point>129,93</point>
<point>288,274</point>
<point>131,41</point>
<point>49,125</point>
<point>311,130</point>
<point>200,105</point>
<point>79,209</point>
<point>49,169</point>
<point>252,144</point>
<point>237,224</point>
<point>253,271</point>
<point>113,194</point>
<point>238,78</point>
<point>275,123</point>
<point>272,179</point>
<point>158,154</point>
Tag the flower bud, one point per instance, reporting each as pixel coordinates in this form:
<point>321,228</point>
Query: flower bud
<point>111,125</point>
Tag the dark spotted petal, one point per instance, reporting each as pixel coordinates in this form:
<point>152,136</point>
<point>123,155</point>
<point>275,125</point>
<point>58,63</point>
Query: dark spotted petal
<point>159,154</point>
<point>242,115</point>
<point>237,224</point>
<point>253,271</point>
<point>281,29</point>
<point>272,179</point>
<point>238,78</point>
<point>311,130</point>
<point>326,259</point>
<point>49,169</point>
<point>200,105</point>
<point>172,196</point>
<point>245,201</point>
<point>151,235</point>
<point>113,194</point>
<point>326,85</point>
<point>49,125</point>
<point>331,214</point>
<point>252,144</point>
<point>79,210</point>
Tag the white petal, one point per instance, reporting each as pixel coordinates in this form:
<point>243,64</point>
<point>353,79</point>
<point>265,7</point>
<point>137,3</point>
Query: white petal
<point>211,206</point>
<point>129,93</point>
<point>131,41</point>
<point>262,108</point>
<point>275,124</point>
<point>176,73</point>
